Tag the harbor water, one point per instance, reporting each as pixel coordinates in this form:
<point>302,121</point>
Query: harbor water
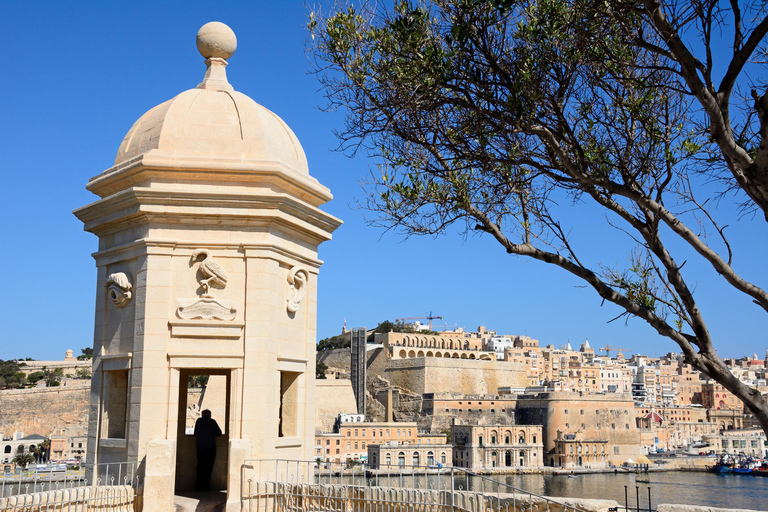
<point>737,492</point>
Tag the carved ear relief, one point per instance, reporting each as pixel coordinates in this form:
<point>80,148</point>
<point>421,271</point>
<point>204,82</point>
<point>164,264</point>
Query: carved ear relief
<point>298,277</point>
<point>119,289</point>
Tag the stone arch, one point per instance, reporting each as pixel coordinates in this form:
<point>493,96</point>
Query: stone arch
<point>463,356</point>
<point>420,354</point>
<point>455,355</point>
<point>424,342</point>
<point>401,459</point>
<point>485,357</point>
<point>442,342</point>
<point>430,458</point>
<point>521,437</point>
<point>433,342</point>
<point>403,353</point>
<point>438,354</point>
<point>416,459</point>
<point>411,353</point>
<point>406,341</point>
<point>430,353</point>
<point>7,449</point>
<point>494,437</point>
<point>472,356</point>
<point>507,437</point>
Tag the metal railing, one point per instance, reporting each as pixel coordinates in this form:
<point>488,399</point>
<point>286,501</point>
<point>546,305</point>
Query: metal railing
<point>274,485</point>
<point>109,486</point>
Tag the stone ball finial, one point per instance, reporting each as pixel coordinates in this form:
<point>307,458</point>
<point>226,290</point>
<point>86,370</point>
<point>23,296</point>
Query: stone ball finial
<point>215,39</point>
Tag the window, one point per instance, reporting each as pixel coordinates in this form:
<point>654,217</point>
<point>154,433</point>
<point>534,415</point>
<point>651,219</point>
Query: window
<point>356,432</point>
<point>480,441</point>
<point>356,445</point>
<point>289,404</point>
<point>616,450</point>
<point>116,403</point>
<point>337,442</point>
<point>349,432</point>
<point>362,434</point>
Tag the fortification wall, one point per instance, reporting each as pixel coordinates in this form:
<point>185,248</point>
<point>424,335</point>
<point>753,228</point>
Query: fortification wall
<point>609,416</point>
<point>334,396</point>
<point>472,377</point>
<point>42,410</point>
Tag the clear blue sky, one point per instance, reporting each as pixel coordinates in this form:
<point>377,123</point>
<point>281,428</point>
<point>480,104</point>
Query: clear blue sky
<point>76,75</point>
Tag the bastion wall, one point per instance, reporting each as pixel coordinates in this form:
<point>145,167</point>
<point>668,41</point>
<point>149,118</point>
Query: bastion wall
<point>433,375</point>
<point>41,410</point>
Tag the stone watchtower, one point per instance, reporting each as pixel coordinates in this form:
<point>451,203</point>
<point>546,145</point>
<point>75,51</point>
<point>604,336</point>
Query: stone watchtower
<point>208,226</point>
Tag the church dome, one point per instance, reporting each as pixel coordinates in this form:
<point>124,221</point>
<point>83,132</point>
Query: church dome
<point>213,122</point>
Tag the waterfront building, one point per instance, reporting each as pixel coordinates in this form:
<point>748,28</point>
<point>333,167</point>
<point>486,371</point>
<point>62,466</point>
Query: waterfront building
<point>609,416</point>
<point>578,451</point>
<point>18,444</point>
<point>351,441</point>
<point>497,446</point>
<point>393,455</point>
<point>745,442</point>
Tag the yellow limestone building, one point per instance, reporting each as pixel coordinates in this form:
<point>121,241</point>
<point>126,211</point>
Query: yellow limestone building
<point>208,226</point>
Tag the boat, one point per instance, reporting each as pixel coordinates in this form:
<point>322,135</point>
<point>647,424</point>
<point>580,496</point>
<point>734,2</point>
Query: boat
<point>720,468</point>
<point>742,470</point>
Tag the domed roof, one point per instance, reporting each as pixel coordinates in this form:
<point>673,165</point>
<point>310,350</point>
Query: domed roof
<point>214,122</point>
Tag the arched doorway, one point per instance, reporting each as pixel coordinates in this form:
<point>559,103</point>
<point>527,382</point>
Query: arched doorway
<point>508,458</point>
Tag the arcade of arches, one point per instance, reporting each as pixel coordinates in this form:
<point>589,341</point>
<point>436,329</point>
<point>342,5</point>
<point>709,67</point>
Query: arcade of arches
<point>404,346</point>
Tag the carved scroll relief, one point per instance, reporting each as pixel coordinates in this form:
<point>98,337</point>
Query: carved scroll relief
<point>206,309</point>
<point>298,278</point>
<point>119,289</point>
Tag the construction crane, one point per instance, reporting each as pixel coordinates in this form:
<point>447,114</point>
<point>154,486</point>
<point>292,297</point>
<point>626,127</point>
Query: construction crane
<point>429,317</point>
<point>607,349</point>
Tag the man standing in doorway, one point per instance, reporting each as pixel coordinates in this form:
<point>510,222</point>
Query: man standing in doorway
<point>206,432</point>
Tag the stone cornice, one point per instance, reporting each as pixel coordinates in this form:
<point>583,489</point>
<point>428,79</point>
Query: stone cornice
<point>139,205</point>
<point>154,164</point>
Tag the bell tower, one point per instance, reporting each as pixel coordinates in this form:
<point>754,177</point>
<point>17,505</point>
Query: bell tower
<point>208,225</point>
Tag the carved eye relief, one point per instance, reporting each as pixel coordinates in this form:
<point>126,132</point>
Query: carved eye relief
<point>298,277</point>
<point>118,289</point>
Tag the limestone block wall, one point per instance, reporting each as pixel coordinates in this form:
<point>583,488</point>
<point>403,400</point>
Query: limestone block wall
<point>334,396</point>
<point>607,416</point>
<point>43,410</point>
<point>433,375</point>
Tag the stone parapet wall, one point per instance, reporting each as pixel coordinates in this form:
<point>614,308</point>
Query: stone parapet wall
<point>43,410</point>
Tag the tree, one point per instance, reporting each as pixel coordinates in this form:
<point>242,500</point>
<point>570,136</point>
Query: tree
<point>53,377</point>
<point>10,376</point>
<point>23,459</point>
<point>87,353</point>
<point>83,373</point>
<point>34,377</point>
<point>490,115</point>
<point>320,369</point>
<point>333,343</point>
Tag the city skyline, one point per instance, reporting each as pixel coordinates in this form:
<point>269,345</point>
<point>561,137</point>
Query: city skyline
<point>84,74</point>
